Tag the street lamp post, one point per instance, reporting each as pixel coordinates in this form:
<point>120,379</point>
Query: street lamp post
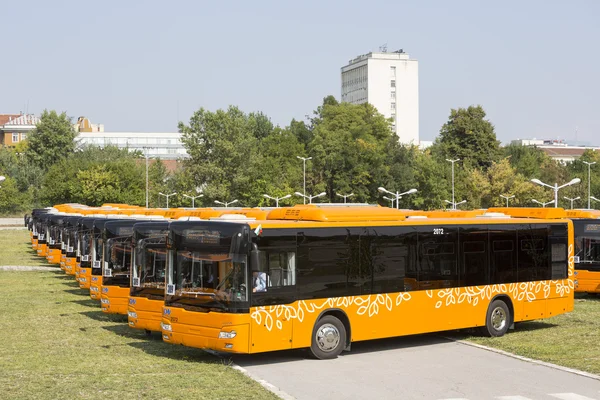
<point>147,186</point>
<point>344,196</point>
<point>542,204</point>
<point>310,198</point>
<point>593,198</point>
<point>2,179</point>
<point>304,159</point>
<point>589,164</point>
<point>167,196</point>
<point>287,196</point>
<point>193,198</point>
<point>454,205</point>
<point>556,188</point>
<point>396,195</point>
<point>390,199</point>
<point>572,200</point>
<point>225,203</point>
<point>453,201</point>
<point>507,197</point>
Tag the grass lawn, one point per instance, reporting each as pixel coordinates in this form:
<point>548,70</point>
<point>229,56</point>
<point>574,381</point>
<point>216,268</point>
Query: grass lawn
<point>15,249</point>
<point>56,343</point>
<point>570,340</point>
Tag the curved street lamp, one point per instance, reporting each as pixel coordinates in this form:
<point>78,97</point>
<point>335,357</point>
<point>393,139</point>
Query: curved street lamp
<point>310,198</point>
<point>556,188</point>
<point>507,198</point>
<point>390,199</point>
<point>225,203</point>
<point>344,196</point>
<point>396,195</point>
<point>287,196</point>
<point>193,198</point>
<point>542,204</point>
<point>454,205</point>
<point>167,196</point>
<point>571,200</point>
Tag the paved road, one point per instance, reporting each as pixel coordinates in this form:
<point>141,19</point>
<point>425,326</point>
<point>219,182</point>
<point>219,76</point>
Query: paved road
<point>420,367</point>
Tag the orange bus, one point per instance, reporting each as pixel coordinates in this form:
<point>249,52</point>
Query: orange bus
<point>322,278</point>
<point>146,297</point>
<point>586,226</point>
<point>116,264</point>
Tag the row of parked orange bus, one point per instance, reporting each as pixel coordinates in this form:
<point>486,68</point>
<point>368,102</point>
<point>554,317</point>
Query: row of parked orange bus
<point>320,277</point>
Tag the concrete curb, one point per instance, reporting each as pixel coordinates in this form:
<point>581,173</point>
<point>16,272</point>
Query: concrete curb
<point>269,386</point>
<point>27,268</point>
<point>529,360</point>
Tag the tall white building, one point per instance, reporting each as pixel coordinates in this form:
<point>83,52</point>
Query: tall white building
<point>390,82</point>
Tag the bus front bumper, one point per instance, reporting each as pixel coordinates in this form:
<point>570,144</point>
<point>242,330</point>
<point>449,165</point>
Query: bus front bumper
<point>144,313</point>
<point>114,299</point>
<point>216,331</point>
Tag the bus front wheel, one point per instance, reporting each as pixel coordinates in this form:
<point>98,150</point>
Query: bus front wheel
<point>329,338</point>
<point>497,320</point>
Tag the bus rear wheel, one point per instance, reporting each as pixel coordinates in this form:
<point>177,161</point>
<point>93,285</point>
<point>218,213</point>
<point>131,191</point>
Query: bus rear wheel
<point>329,338</point>
<point>497,320</point>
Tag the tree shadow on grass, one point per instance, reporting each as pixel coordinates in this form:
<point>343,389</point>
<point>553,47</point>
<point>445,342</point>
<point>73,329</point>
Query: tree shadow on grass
<point>104,317</point>
<point>88,303</point>
<point>591,297</point>
<point>125,331</point>
<point>78,292</point>
<point>166,350</point>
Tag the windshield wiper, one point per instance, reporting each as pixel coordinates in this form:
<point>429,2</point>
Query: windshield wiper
<point>199,293</point>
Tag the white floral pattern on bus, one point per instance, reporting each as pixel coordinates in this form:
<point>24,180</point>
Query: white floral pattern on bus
<point>371,305</point>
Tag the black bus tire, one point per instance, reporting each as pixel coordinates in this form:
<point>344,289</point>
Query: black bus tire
<point>497,319</point>
<point>328,338</point>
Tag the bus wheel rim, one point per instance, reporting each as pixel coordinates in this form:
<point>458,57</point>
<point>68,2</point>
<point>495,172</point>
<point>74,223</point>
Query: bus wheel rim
<point>328,337</point>
<point>498,318</point>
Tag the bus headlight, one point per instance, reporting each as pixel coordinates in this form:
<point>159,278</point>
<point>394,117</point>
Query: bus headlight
<point>132,314</point>
<point>165,327</point>
<point>105,301</point>
<point>227,335</point>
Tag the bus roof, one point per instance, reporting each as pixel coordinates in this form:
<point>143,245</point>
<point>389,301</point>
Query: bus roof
<point>531,212</point>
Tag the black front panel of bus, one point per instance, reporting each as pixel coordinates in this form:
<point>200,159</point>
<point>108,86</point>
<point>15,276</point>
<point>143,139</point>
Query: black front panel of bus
<point>335,262</point>
<point>587,244</point>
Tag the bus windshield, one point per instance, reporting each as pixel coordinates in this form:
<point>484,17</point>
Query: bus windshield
<point>208,265</point>
<point>587,249</point>
<point>150,265</point>
<point>83,246</point>
<point>117,257</point>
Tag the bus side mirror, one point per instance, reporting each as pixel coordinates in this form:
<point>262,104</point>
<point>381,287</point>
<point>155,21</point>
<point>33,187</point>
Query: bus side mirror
<point>255,256</point>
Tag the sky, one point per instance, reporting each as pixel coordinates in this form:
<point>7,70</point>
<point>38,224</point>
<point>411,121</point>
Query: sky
<point>144,65</point>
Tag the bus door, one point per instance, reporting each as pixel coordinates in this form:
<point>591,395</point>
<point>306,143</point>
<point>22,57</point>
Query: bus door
<point>273,284</point>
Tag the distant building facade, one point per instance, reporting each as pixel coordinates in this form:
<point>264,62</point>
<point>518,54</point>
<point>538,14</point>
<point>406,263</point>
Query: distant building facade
<point>14,128</point>
<point>157,145</point>
<point>390,82</point>
<point>558,150</point>
<point>166,145</point>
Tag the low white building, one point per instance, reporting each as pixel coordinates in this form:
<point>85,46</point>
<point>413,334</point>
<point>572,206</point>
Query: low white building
<point>164,145</point>
<point>390,82</point>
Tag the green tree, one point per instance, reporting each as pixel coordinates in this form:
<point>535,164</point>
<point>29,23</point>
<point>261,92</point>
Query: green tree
<point>94,176</point>
<point>468,136</point>
<point>484,188</point>
<point>52,140</point>
<point>527,160</point>
<point>224,151</point>
<point>350,150</point>
<point>11,200</point>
